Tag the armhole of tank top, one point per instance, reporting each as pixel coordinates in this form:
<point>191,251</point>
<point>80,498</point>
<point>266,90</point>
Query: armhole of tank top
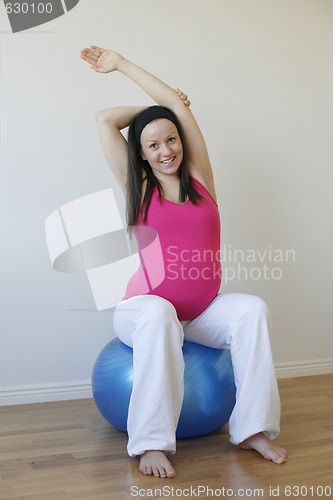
<point>202,187</point>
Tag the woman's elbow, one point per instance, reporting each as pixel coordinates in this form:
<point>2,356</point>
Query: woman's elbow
<point>101,116</point>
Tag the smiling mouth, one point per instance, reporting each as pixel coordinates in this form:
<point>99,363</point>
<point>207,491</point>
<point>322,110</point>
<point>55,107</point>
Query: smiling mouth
<point>169,160</point>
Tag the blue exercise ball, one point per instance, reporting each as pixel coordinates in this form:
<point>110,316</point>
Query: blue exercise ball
<point>209,388</point>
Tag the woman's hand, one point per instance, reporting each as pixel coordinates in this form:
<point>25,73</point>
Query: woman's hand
<point>183,97</point>
<point>101,60</point>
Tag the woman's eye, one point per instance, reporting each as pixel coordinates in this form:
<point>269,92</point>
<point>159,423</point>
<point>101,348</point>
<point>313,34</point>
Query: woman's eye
<point>172,139</point>
<point>153,146</point>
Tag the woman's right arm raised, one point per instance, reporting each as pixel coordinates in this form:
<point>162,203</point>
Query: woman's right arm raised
<point>106,61</point>
<point>109,123</point>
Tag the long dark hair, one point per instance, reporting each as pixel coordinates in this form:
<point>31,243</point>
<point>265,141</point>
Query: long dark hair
<point>136,166</point>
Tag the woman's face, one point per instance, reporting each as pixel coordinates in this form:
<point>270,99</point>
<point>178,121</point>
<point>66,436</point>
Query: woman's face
<point>161,146</point>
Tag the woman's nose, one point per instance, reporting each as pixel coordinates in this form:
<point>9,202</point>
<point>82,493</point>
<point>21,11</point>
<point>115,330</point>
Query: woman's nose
<point>165,150</point>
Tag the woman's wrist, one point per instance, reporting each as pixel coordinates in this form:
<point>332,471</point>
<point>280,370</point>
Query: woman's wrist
<point>119,62</point>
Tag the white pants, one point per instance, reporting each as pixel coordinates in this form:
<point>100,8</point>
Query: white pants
<point>238,322</point>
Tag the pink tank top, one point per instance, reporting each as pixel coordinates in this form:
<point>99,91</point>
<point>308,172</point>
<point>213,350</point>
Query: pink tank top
<point>179,247</point>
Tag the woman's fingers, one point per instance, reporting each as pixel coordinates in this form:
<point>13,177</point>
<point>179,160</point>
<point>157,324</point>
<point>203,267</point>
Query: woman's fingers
<point>91,55</point>
<point>88,56</point>
<point>96,49</point>
<point>183,97</point>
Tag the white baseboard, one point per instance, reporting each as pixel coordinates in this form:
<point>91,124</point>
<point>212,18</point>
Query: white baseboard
<point>82,390</point>
<point>45,393</point>
<point>304,369</point>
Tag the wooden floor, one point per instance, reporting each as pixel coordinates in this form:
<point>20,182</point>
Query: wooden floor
<point>65,450</point>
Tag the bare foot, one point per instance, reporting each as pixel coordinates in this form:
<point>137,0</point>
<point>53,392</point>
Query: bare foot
<point>155,463</point>
<point>265,447</point>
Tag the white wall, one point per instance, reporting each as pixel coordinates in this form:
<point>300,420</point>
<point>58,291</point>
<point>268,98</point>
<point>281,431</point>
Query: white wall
<point>259,74</point>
